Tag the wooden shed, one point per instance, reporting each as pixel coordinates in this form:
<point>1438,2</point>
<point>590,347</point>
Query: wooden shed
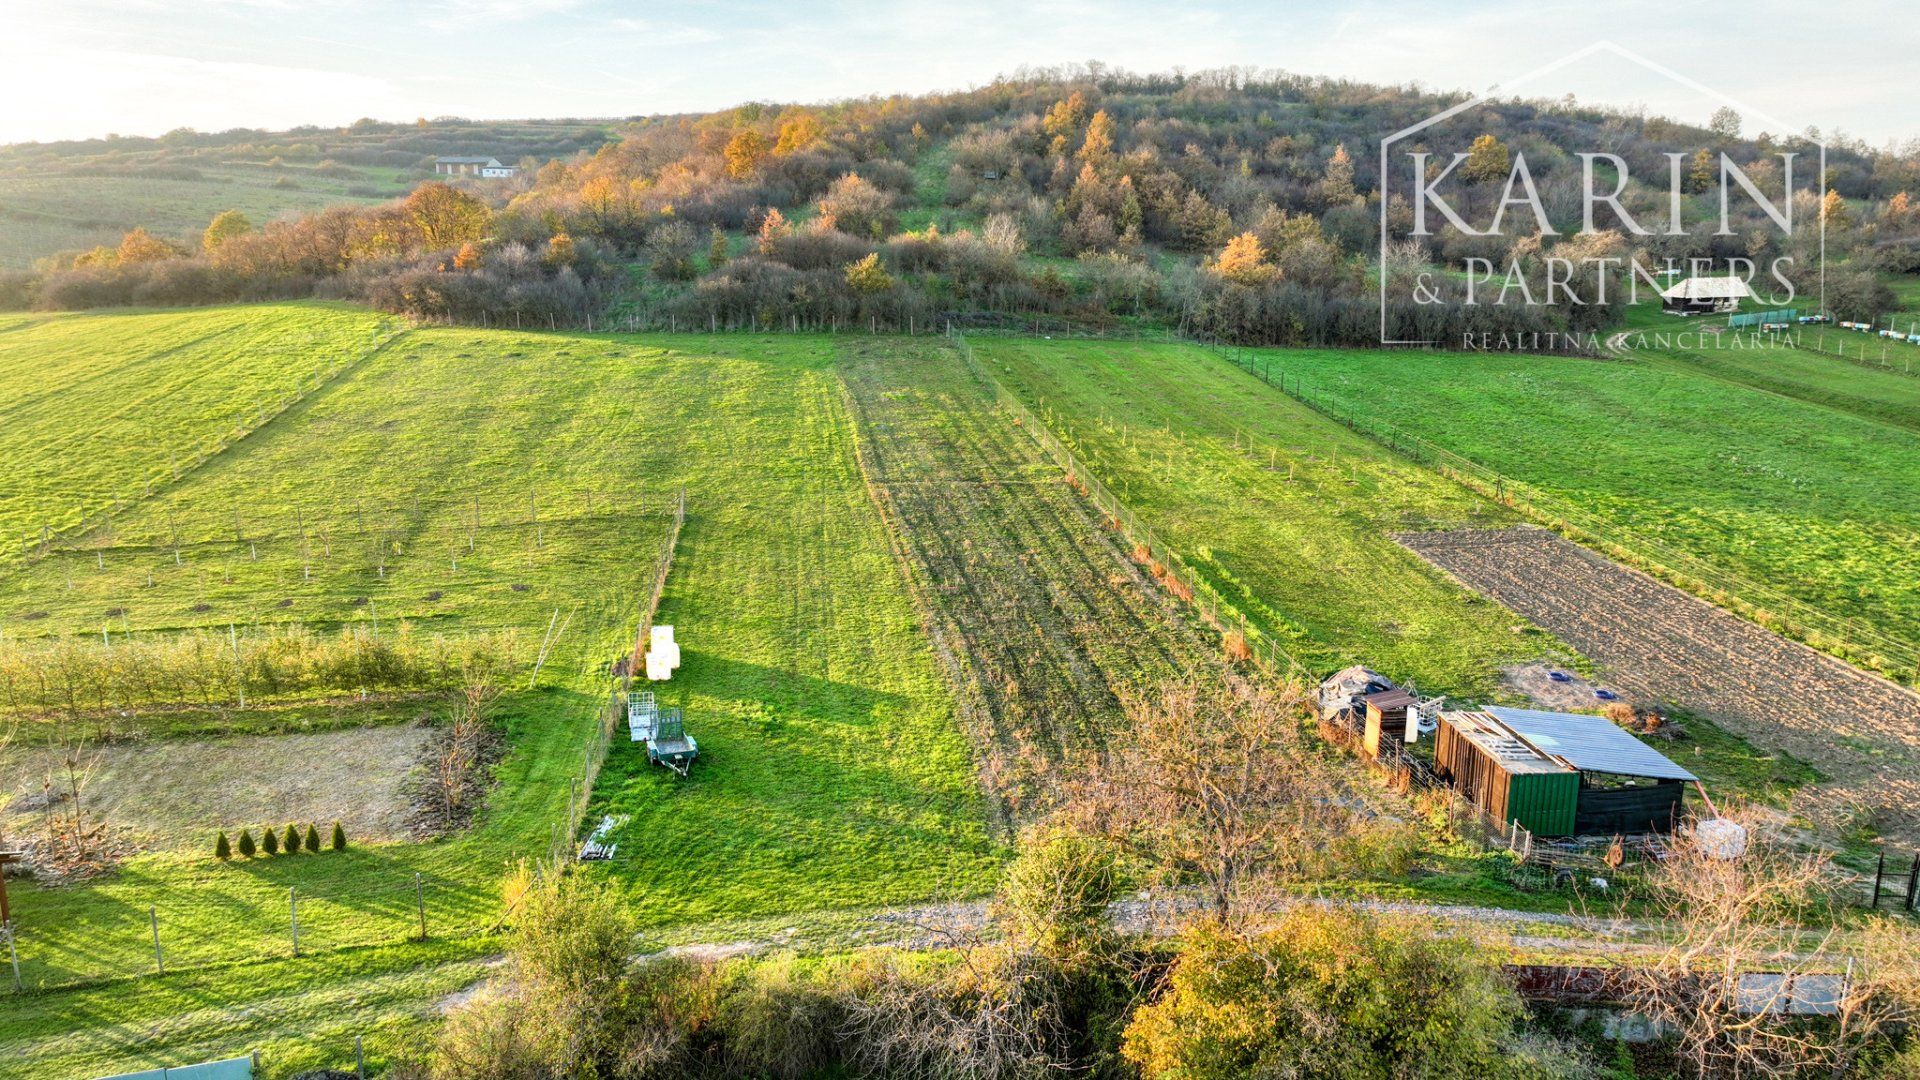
<point>1386,718</point>
<point>1504,776</point>
<point>1559,774</point>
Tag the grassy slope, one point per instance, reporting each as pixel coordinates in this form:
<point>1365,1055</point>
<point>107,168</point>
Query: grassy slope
<point>1811,372</point>
<point>41,215</point>
<point>95,409</point>
<point>833,777</point>
<point>1803,498</point>
<point>831,772</point>
<point>299,1014</point>
<point>1290,505</point>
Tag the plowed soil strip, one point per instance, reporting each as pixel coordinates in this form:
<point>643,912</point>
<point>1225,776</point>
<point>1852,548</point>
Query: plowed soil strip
<point>1658,643</point>
<point>1040,620</point>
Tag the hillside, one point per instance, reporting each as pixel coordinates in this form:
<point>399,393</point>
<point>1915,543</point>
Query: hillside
<point>1232,204</point>
<point>71,196</point>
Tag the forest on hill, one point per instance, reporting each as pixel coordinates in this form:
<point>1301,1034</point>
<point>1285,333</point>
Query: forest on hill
<point>1234,203</point>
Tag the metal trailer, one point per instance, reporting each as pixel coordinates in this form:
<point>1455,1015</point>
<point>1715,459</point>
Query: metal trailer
<point>670,744</point>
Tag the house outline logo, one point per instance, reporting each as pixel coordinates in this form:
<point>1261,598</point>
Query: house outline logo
<point>1603,46</point>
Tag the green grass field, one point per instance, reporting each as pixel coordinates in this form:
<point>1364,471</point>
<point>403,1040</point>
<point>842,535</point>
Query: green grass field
<point>834,775</point>
<point>41,215</point>
<point>1808,500</point>
<point>102,410</point>
<point>1283,510</point>
<point>1822,365</point>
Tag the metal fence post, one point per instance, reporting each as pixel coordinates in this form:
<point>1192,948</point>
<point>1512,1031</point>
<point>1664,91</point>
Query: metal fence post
<point>420,901</point>
<point>359,1058</point>
<point>159,958</point>
<point>293,918</point>
<point>13,954</point>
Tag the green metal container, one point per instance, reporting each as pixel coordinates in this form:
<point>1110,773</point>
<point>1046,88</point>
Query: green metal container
<point>1543,802</point>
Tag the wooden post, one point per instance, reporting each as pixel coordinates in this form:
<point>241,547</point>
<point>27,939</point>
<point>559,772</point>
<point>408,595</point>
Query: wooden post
<point>13,955</point>
<point>359,1058</point>
<point>1878,869</point>
<point>159,958</point>
<point>1913,881</point>
<point>6,913</point>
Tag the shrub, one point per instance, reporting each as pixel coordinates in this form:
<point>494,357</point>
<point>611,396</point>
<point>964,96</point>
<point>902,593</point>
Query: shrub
<point>222,850</point>
<point>1327,992</point>
<point>292,842</point>
<point>313,838</point>
<point>246,844</point>
<point>269,841</point>
<point>339,837</point>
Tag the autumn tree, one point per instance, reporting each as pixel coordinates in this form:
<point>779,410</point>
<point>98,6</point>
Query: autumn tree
<point>1336,185</point>
<point>1332,992</point>
<point>1701,173</point>
<point>1244,260</point>
<point>857,207</point>
<point>1901,213</point>
<point>1833,211</point>
<point>717,246</point>
<point>868,277</point>
<point>141,246</point>
<point>773,228</point>
<point>225,226</point>
<point>745,152</point>
<point>1488,159</point>
<point>467,258</point>
<point>1066,116</point>
<point>446,217</point>
<point>797,132</point>
<point>1097,149</point>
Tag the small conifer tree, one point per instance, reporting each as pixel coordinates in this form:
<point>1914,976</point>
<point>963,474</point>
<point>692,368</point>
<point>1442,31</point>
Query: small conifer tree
<point>222,849</point>
<point>292,841</point>
<point>313,837</point>
<point>246,844</point>
<point>339,837</point>
<point>269,841</point>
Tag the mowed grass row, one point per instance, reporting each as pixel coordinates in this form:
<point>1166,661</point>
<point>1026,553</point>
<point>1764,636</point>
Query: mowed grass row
<point>1804,499</point>
<point>834,774</point>
<point>1286,512</point>
<point>102,409</point>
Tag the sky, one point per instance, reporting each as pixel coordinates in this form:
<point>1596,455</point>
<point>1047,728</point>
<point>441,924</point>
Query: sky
<point>86,68</point>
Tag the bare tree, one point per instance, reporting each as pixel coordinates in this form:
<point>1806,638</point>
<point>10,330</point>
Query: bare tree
<point>460,753</point>
<point>1742,956</point>
<point>1217,784</point>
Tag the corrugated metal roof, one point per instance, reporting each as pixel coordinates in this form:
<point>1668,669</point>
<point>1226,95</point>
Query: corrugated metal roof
<point>1708,288</point>
<point>1589,743</point>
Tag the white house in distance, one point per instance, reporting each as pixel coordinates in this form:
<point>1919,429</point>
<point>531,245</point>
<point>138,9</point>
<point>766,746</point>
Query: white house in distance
<point>489,168</point>
<point>1705,294</point>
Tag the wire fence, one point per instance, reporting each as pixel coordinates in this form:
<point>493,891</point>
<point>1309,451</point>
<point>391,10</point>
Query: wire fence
<point>97,932</point>
<point>1845,638</point>
<point>580,787</point>
<point>152,933</point>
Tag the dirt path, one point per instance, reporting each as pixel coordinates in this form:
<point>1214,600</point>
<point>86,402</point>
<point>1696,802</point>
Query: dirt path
<point>1660,644</point>
<point>169,794</point>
